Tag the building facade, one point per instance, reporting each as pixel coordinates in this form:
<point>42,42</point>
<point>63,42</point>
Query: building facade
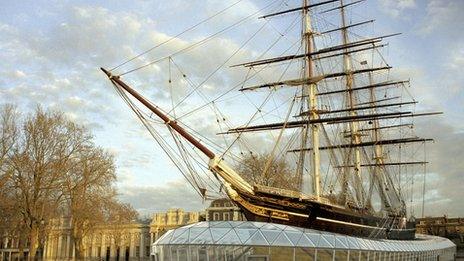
<point>129,241</point>
<point>223,210</point>
<point>9,248</point>
<point>451,228</point>
<point>171,219</point>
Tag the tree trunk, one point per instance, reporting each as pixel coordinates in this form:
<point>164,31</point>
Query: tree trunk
<point>78,248</point>
<point>33,241</point>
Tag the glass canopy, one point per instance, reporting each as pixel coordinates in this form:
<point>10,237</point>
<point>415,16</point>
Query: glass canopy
<point>240,233</point>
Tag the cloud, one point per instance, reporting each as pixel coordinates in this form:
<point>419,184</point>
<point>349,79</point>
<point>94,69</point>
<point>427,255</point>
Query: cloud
<point>151,199</point>
<point>395,8</point>
<point>443,17</point>
<point>444,187</point>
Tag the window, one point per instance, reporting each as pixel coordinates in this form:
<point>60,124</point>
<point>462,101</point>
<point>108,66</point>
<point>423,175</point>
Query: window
<point>127,254</point>
<point>137,251</point>
<point>216,216</point>
<point>147,251</point>
<point>226,216</point>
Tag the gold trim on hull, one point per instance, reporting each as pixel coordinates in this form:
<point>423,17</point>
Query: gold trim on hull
<point>266,212</point>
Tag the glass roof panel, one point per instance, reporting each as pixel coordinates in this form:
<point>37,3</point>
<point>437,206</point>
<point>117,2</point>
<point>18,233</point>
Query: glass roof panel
<point>340,242</point>
<point>352,243</point>
<point>294,229</point>
<point>282,240</point>
<point>362,243</point>
<point>218,233</point>
<point>236,223</point>
<point>373,244</point>
<point>203,238</point>
<point>244,234</point>
<point>270,226</point>
<point>384,245</point>
<point>230,238</point>
<point>305,242</point>
<point>293,236</point>
<point>248,225</point>
<point>257,239</point>
<point>270,235</point>
<point>218,223</point>
<point>165,239</point>
<point>324,243</point>
<point>314,238</point>
<point>180,238</point>
<point>258,224</point>
<point>195,232</point>
<point>330,238</point>
<point>179,231</point>
<point>258,233</point>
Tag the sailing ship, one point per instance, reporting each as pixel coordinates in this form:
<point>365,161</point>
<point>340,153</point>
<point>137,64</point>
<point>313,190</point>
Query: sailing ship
<point>349,141</point>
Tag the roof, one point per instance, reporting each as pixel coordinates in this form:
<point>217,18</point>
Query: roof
<point>267,234</point>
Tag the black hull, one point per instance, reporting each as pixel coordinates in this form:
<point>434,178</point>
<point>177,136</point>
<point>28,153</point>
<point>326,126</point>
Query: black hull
<point>319,216</point>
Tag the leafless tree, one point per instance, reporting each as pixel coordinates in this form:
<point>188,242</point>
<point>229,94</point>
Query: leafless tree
<point>8,134</point>
<point>50,167</point>
<point>278,173</point>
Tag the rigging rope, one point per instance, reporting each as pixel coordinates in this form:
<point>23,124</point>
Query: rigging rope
<point>203,40</point>
<point>177,35</point>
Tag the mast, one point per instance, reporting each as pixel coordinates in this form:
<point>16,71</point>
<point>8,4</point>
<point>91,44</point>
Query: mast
<point>216,164</point>
<point>355,136</point>
<point>173,124</point>
<point>378,153</point>
<point>311,89</point>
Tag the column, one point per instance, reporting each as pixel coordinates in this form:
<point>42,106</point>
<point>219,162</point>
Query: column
<point>103,247</point>
<point>68,246</point>
<point>45,248</point>
<point>142,244</point>
<point>52,246</point>
<point>151,239</point>
<point>58,249</point>
<point>112,246</point>
<point>94,246</point>
<point>132,245</point>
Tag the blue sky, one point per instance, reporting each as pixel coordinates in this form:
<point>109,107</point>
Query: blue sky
<point>51,52</point>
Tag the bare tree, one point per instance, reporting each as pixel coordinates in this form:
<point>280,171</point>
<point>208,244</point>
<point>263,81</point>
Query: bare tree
<point>50,167</point>
<point>278,173</point>
<point>8,134</point>
<point>41,154</point>
<point>91,198</point>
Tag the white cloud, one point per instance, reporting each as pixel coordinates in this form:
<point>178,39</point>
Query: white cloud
<point>395,8</point>
<point>447,164</point>
<point>443,17</point>
<point>151,199</point>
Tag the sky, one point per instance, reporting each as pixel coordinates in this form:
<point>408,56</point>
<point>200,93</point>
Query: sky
<point>51,52</point>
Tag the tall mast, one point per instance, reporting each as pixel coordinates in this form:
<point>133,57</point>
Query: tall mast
<point>378,153</point>
<point>311,89</point>
<point>354,134</point>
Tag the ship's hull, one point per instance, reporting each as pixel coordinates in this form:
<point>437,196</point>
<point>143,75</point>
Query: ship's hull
<point>320,216</point>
